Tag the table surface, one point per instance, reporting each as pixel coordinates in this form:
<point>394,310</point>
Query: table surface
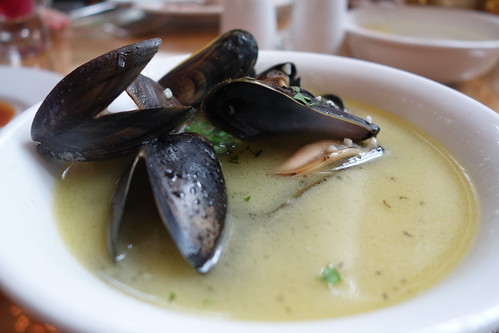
<point>77,45</point>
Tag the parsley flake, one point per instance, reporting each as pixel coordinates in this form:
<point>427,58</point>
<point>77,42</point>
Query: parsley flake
<point>234,159</point>
<point>221,141</point>
<point>330,275</point>
<point>305,100</point>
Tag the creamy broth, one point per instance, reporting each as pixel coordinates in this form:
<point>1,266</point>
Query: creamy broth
<point>392,228</point>
<point>429,31</point>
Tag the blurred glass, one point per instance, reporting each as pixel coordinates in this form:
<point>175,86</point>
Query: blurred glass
<point>23,35</point>
<point>318,25</point>
<point>256,16</point>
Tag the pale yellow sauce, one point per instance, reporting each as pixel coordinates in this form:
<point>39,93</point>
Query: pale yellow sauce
<point>393,228</point>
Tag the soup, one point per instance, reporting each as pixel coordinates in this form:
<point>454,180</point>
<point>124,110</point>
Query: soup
<point>428,31</point>
<point>7,112</point>
<point>361,239</point>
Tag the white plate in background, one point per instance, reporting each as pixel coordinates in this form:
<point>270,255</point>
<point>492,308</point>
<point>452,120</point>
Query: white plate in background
<point>23,87</point>
<point>208,12</point>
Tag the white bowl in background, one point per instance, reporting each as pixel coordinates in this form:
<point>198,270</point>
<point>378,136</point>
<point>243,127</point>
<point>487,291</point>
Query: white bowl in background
<point>39,272</point>
<point>443,44</point>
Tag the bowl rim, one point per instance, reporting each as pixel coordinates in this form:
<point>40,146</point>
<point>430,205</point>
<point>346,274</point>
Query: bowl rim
<point>353,27</point>
<point>84,321</point>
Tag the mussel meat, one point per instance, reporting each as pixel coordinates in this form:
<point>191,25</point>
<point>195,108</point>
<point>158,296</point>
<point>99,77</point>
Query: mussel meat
<point>282,75</point>
<point>329,155</point>
<point>147,93</point>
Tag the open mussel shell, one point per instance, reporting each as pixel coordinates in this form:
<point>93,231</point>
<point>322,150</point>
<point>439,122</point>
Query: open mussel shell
<point>114,135</point>
<point>90,88</point>
<point>118,202</point>
<point>248,108</point>
<point>189,190</point>
<point>232,55</point>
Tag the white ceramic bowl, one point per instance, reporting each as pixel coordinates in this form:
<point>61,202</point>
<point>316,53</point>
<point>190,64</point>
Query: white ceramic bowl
<point>38,271</point>
<point>443,44</point>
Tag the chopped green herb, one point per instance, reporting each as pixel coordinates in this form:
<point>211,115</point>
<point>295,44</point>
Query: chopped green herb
<point>331,275</point>
<point>248,198</point>
<point>171,297</point>
<point>300,97</point>
<point>221,141</point>
<point>234,159</point>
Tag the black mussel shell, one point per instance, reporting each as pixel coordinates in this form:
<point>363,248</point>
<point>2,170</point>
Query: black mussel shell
<point>232,55</point>
<point>248,108</point>
<point>90,88</point>
<point>113,135</point>
<point>190,193</point>
<point>334,99</point>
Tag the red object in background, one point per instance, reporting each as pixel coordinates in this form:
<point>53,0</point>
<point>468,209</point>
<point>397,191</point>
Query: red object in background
<point>16,8</point>
<point>7,112</point>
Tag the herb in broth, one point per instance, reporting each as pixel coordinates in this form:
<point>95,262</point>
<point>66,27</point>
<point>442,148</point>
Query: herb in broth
<point>256,153</point>
<point>330,275</point>
<point>221,141</point>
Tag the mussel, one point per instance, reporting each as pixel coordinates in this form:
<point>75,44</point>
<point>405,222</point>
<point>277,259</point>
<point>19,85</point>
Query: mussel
<point>232,55</point>
<point>90,88</point>
<point>274,103</point>
<point>189,189</point>
<point>247,108</point>
<point>70,124</point>
<point>190,194</point>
